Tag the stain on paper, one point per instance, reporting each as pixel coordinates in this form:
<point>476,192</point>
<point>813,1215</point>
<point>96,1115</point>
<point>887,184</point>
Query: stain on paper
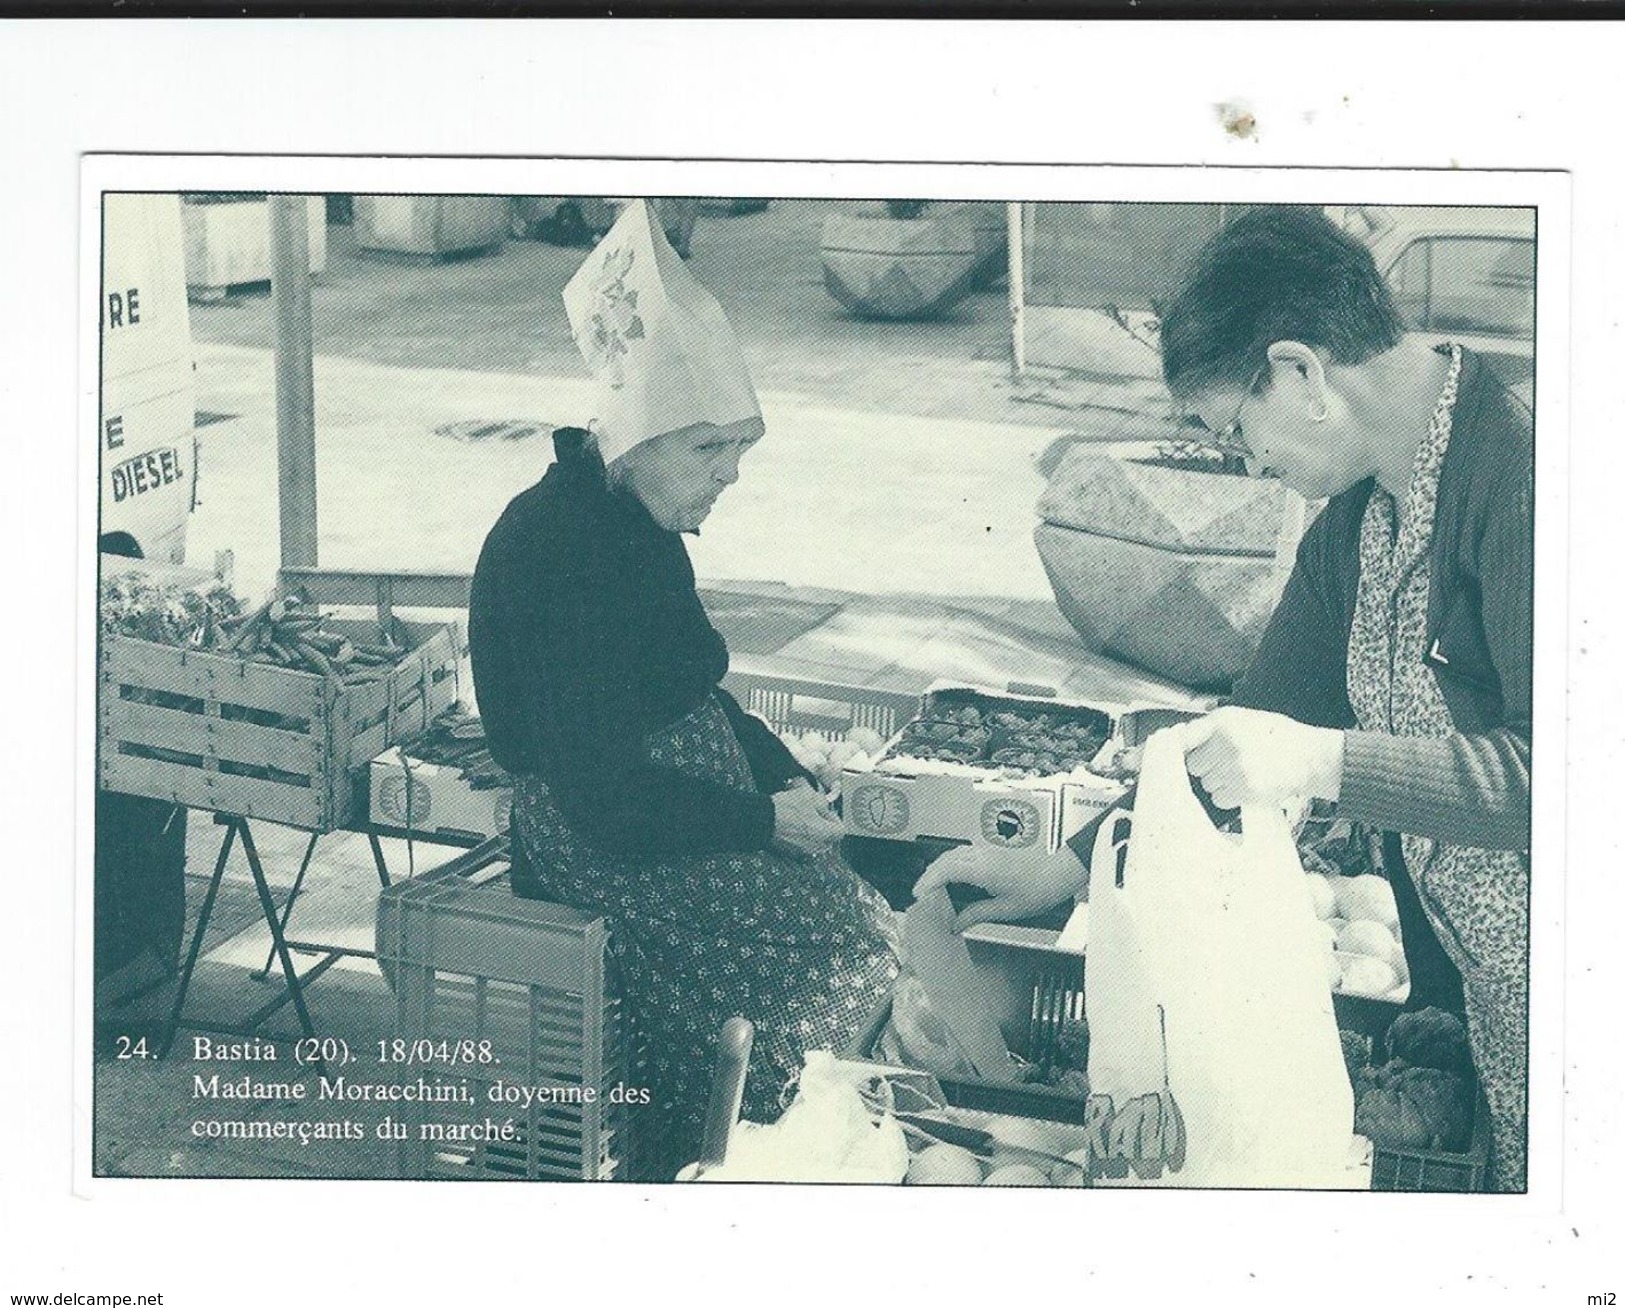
<point>1238,121</point>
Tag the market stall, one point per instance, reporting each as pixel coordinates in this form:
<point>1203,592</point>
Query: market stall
<point>1007,1037</point>
<point>979,1067</point>
<point>256,714</point>
<point>982,1066</point>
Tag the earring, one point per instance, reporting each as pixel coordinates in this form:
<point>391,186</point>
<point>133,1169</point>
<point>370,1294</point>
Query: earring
<point>1322,415</point>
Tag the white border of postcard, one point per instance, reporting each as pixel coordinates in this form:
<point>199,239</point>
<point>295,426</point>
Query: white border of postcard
<point>1549,192</point>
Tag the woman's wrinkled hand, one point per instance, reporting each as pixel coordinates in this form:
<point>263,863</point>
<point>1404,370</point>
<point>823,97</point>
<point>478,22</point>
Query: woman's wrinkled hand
<point>1022,883</point>
<point>803,825</point>
<point>1246,757</point>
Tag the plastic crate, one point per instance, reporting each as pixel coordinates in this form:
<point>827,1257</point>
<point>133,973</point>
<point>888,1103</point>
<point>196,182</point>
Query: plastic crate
<point>1365,1014</point>
<point>1394,1168</point>
<point>216,731</point>
<point>1024,970</point>
<point>828,708</point>
<point>473,962</point>
<point>1435,1170</point>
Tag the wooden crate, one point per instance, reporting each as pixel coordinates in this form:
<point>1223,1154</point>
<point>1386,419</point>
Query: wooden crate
<point>214,731</point>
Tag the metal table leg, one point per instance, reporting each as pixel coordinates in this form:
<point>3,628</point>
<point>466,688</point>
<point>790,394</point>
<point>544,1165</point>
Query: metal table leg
<point>287,906</point>
<point>279,942</point>
<point>238,828</point>
<point>332,953</point>
<point>283,948</point>
<point>378,858</point>
<point>173,1025</point>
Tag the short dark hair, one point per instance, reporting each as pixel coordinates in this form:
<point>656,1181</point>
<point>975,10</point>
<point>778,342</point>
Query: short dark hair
<point>1277,273</point>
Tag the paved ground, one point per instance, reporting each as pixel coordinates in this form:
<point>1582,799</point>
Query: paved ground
<point>146,1108</point>
<point>835,496</point>
<point>501,313</point>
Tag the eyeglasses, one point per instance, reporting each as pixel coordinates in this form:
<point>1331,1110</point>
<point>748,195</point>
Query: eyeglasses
<point>1228,439</point>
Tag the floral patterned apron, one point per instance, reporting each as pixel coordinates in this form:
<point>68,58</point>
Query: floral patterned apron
<point>1477,900</point>
<point>805,950</point>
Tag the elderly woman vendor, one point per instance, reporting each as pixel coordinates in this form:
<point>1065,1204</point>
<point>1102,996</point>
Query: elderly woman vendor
<point>1394,676</point>
<point>643,791</point>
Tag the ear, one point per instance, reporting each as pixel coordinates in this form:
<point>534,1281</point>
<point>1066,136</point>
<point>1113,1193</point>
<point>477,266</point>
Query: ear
<point>1300,367</point>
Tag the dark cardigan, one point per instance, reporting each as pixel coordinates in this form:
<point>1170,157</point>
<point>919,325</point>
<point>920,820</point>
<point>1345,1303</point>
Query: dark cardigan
<point>1470,788</point>
<point>586,634</point>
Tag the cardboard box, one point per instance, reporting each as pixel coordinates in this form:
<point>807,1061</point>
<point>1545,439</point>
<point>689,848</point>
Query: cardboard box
<point>974,801</point>
<point>406,794</point>
<point>1084,799</point>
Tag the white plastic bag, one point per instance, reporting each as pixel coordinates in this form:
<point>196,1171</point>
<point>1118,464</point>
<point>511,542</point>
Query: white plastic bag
<point>1204,969</point>
<point>827,1134</point>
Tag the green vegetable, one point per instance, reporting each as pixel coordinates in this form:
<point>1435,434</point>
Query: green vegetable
<point>1431,1038</point>
<point>1414,1107</point>
<point>1386,1117</point>
<point>1356,1052</point>
<point>1444,1102</point>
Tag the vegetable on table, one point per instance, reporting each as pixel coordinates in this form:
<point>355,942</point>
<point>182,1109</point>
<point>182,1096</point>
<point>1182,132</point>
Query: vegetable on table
<point>283,632</point>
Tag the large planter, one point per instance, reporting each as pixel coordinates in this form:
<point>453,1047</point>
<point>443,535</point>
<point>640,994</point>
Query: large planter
<point>899,268</point>
<point>430,224</point>
<point>229,244</point>
<point>990,232</point>
<point>1173,570</point>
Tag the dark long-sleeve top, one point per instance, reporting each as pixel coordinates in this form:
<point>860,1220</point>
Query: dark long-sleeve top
<point>586,634</point>
<point>1472,787</point>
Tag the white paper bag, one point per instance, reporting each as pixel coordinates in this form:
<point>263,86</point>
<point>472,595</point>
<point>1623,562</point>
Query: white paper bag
<point>1204,968</point>
<point>961,994</point>
<point>657,341</point>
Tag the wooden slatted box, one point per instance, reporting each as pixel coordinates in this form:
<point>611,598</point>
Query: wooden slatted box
<point>215,731</point>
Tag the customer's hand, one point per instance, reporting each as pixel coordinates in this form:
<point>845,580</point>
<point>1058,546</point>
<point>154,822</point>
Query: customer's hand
<point>1246,757</point>
<point>1022,884</point>
<point>803,825</point>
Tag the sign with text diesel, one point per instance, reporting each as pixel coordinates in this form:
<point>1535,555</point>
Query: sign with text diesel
<point>148,455</point>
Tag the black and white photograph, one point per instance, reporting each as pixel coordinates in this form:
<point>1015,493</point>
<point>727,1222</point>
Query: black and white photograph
<point>914,691</point>
<point>933,660</point>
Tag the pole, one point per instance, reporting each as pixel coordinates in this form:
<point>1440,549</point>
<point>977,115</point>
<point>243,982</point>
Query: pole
<point>295,379</point>
<point>1018,286</point>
